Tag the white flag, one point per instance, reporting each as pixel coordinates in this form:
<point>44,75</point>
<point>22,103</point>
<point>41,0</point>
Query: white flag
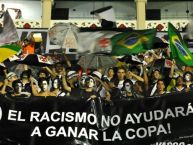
<point>9,33</point>
<point>13,58</point>
<point>22,57</point>
<point>2,64</point>
<point>168,63</point>
<point>44,59</point>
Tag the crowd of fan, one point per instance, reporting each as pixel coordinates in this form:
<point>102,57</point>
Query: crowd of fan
<point>125,82</point>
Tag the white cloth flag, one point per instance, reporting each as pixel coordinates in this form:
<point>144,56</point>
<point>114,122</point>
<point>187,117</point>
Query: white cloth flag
<point>22,57</point>
<point>2,64</point>
<point>9,33</point>
<point>44,59</point>
<point>93,42</point>
<point>13,58</point>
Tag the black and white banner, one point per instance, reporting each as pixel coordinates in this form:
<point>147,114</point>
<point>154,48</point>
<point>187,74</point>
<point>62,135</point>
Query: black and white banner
<point>65,120</point>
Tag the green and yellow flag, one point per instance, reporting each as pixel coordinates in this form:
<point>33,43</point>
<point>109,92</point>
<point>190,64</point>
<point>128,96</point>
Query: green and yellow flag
<point>132,42</point>
<point>179,50</point>
<point>7,51</point>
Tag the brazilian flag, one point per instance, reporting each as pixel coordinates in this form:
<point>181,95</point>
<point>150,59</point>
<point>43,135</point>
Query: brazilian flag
<point>8,50</point>
<point>132,42</point>
<point>179,50</point>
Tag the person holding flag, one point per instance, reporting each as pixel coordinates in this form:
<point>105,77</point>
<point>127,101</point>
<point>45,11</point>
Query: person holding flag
<point>179,51</point>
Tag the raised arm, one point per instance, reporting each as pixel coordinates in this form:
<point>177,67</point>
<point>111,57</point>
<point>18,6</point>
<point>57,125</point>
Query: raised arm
<point>136,76</point>
<point>145,77</point>
<point>66,87</point>
<point>67,61</point>
<point>172,69</point>
<point>34,87</point>
<point>52,73</point>
<point>2,91</point>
